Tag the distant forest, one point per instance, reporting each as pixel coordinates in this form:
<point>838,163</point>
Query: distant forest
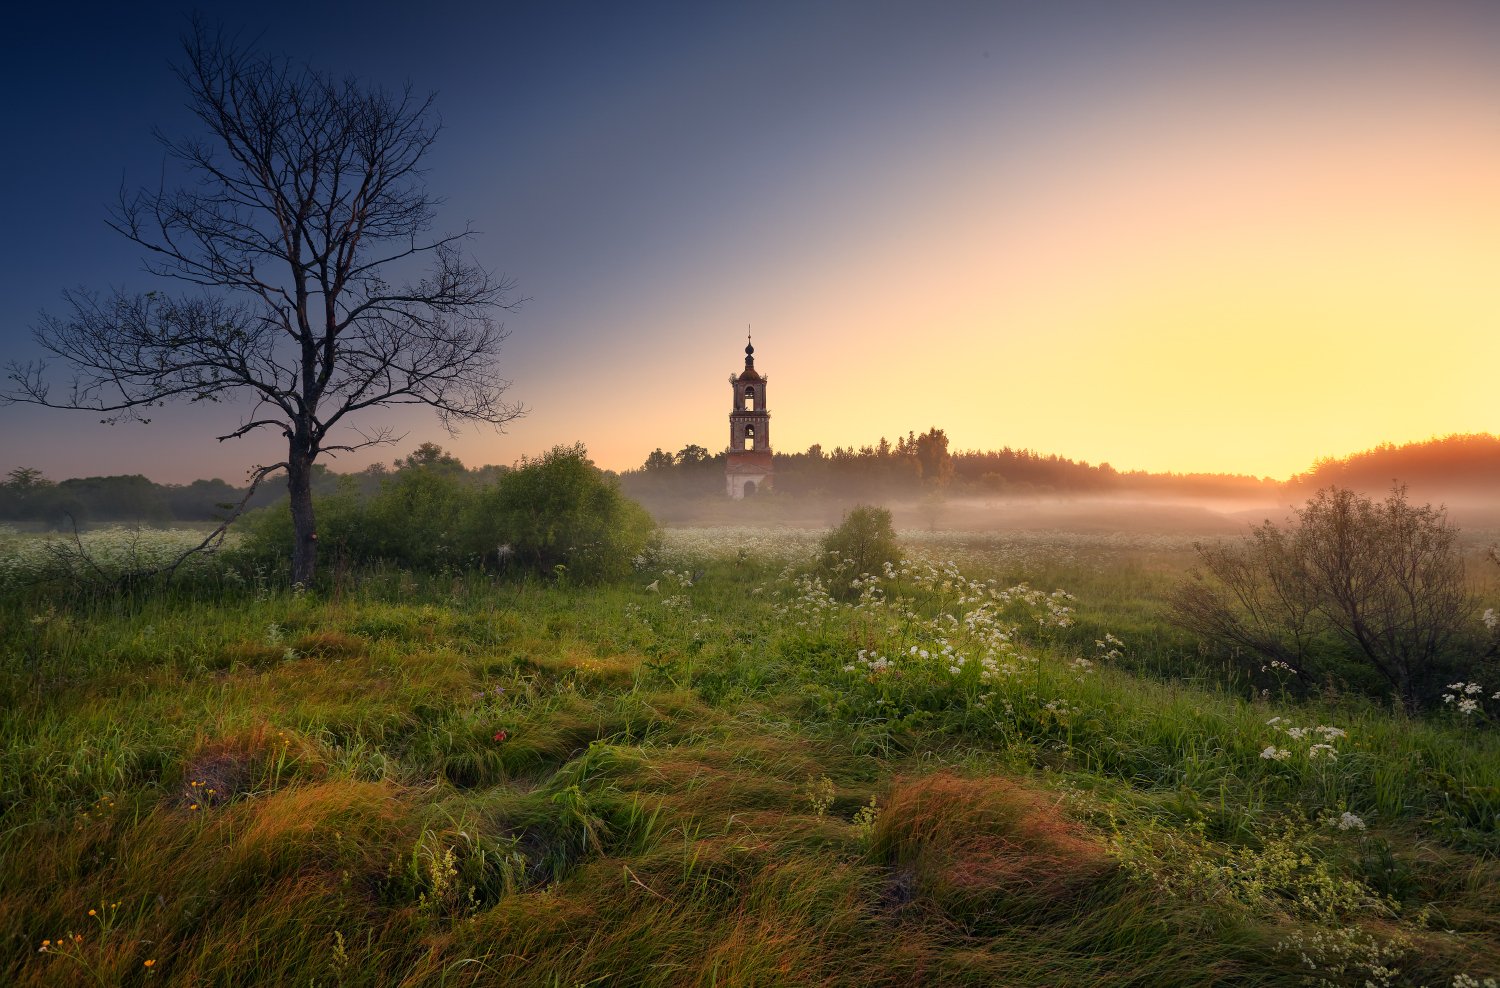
<point>1453,466</point>
<point>912,466</point>
<point>27,496</point>
<point>917,464</point>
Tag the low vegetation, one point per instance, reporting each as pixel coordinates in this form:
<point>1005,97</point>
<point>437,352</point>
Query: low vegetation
<point>989,761</point>
<point>1350,590</point>
<point>554,511</point>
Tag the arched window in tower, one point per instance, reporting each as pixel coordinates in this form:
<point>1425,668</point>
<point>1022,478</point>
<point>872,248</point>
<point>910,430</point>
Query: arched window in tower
<point>750,398</point>
<point>749,437</point>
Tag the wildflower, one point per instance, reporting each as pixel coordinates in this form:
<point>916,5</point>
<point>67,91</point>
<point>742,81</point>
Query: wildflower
<point>93,912</point>
<point>1275,754</point>
<point>1319,750</point>
<point>1347,821</point>
<point>150,962</point>
<point>501,735</point>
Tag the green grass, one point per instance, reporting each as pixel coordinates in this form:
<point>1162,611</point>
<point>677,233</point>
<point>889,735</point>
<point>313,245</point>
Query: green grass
<point>430,781</point>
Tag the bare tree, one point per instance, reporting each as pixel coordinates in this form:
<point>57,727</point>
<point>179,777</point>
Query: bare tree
<point>1381,583</point>
<point>316,287</point>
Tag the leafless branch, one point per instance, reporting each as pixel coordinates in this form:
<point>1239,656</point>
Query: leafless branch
<point>299,203</point>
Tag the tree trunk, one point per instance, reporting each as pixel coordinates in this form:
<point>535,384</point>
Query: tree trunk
<point>304,530</point>
<point>1408,693</point>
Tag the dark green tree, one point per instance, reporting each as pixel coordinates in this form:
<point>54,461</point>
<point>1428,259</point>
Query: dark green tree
<point>658,461</point>
<point>931,452</point>
<point>693,455</point>
<point>430,456</point>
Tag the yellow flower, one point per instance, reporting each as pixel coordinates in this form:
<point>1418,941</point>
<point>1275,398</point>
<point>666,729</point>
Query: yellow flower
<point>151,963</point>
<point>193,807</point>
<point>93,912</point>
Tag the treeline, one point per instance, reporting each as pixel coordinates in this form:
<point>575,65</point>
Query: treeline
<point>26,496</point>
<point>913,465</point>
<point>919,463</point>
<point>1448,466</point>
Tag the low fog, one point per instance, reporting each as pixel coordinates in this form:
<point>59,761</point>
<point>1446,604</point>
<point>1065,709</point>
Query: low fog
<point>1130,513</point>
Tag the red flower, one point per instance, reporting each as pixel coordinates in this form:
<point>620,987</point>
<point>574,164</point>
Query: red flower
<point>501,735</point>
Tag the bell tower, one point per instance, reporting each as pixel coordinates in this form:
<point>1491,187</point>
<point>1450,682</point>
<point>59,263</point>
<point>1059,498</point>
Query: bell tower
<point>748,469</point>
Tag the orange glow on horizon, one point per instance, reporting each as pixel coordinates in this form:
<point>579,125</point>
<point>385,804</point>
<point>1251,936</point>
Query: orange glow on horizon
<point>1196,287</point>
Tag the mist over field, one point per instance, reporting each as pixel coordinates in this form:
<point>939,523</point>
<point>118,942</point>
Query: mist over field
<point>1460,474</point>
<point>1022,491</point>
<point>1477,517</point>
<point>1078,513</point>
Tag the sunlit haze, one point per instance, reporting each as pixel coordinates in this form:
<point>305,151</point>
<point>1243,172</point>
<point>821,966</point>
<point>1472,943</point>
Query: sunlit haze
<point>1186,237</point>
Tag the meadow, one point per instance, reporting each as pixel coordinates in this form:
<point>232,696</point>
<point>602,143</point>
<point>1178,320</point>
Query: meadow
<point>995,763</point>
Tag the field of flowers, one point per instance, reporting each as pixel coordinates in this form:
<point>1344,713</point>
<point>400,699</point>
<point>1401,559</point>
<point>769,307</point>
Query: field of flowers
<point>988,764</point>
<point>101,555</point>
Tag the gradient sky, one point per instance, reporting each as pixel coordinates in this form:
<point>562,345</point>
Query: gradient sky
<point>1169,236</point>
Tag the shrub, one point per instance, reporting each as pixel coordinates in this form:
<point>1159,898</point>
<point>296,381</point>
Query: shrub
<point>417,519</point>
<point>862,543</point>
<point>1378,587</point>
<point>342,529</point>
<point>560,509</point>
<point>556,509</point>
